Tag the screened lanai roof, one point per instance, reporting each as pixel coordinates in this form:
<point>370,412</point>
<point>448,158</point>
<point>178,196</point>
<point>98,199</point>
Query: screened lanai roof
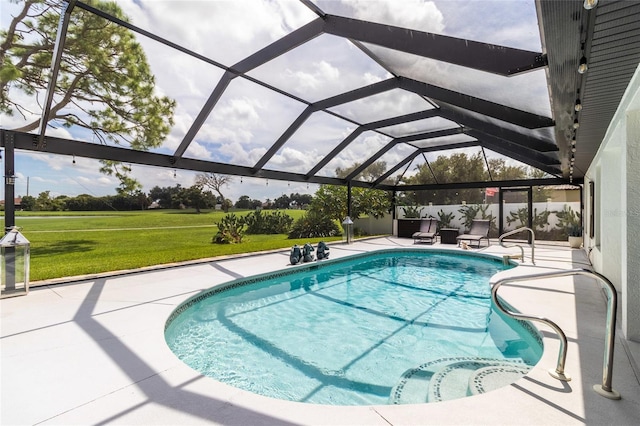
<point>297,90</point>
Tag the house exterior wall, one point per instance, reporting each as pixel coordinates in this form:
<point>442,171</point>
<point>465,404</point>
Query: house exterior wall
<point>615,172</point>
<point>563,195</point>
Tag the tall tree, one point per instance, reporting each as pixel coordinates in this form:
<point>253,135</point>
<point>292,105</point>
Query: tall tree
<point>459,167</point>
<point>28,203</point>
<point>44,202</point>
<point>104,84</point>
<point>282,202</point>
<point>301,199</point>
<point>244,202</point>
<point>215,182</point>
<point>196,198</point>
<point>331,201</point>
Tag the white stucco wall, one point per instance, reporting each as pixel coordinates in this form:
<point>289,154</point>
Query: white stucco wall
<point>373,226</point>
<point>631,269</point>
<point>493,209</point>
<point>615,170</point>
<point>611,201</point>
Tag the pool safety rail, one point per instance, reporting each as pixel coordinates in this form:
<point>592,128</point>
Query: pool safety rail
<point>612,302</point>
<point>517,231</point>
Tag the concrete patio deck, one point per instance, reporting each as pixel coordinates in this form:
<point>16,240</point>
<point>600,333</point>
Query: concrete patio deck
<point>93,352</point>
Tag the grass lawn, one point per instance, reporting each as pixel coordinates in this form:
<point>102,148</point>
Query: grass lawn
<point>76,243</point>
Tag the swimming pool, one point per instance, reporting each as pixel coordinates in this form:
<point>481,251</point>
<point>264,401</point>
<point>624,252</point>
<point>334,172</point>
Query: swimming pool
<point>395,326</point>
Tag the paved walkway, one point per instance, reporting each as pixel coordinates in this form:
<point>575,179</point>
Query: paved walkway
<point>93,352</point>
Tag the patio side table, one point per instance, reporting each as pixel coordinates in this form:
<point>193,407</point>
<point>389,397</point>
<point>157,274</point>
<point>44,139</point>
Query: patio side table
<point>449,235</point>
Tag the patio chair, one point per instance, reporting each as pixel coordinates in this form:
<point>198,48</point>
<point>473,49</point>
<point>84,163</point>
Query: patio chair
<point>427,232</point>
<point>479,231</point>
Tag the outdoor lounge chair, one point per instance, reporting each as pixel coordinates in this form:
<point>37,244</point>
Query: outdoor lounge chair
<point>479,231</point>
<point>427,232</point>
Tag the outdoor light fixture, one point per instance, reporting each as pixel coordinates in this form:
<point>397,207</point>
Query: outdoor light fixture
<point>573,149</point>
<point>590,4</point>
<point>15,260</point>
<point>576,124</point>
<point>578,106</point>
<point>573,141</point>
<point>583,67</point>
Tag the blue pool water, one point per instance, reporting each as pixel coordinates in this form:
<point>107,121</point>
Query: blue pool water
<point>348,332</point>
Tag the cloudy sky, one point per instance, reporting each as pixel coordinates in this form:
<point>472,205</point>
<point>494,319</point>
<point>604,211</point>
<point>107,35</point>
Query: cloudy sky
<point>249,118</point>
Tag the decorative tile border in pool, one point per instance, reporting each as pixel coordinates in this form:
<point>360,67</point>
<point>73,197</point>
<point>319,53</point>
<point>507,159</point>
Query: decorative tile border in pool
<point>442,365</point>
<point>477,383</point>
<point>527,325</point>
<point>294,269</point>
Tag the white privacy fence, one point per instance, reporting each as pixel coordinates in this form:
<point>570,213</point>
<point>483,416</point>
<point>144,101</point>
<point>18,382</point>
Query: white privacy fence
<point>546,220</point>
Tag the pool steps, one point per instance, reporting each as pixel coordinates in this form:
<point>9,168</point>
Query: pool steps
<point>452,378</point>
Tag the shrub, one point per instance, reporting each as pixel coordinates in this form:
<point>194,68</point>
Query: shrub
<point>230,230</point>
<point>540,220</point>
<point>268,223</point>
<point>568,220</point>
<point>575,230</point>
<point>445,219</point>
<point>313,224</point>
<point>469,213</point>
<point>411,212</point>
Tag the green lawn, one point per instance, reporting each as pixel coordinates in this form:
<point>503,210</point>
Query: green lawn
<point>77,243</point>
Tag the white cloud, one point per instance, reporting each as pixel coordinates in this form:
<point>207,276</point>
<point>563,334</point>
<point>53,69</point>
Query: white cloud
<point>39,179</point>
<point>311,81</point>
<point>226,31</point>
<point>384,105</point>
<point>415,14</point>
<point>242,155</point>
<point>293,160</point>
<point>240,110</point>
<point>357,152</point>
<point>196,150</point>
<point>370,78</point>
<point>510,23</point>
<point>59,132</point>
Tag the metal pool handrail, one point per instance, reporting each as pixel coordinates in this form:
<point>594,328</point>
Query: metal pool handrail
<point>517,231</point>
<point>612,302</point>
